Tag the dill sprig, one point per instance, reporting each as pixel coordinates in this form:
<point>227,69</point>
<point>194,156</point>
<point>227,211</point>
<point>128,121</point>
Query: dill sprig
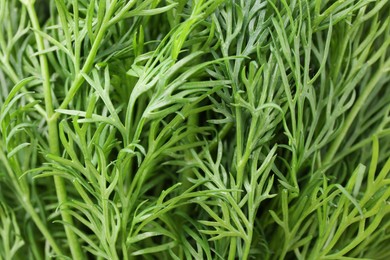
<point>200,129</point>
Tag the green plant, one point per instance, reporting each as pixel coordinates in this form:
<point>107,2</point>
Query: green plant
<point>203,129</point>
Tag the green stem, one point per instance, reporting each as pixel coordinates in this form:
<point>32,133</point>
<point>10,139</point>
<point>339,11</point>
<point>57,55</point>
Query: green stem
<point>352,115</point>
<point>79,79</point>
<point>248,244</point>
<point>24,200</point>
<point>53,134</point>
<point>233,248</point>
<point>193,120</point>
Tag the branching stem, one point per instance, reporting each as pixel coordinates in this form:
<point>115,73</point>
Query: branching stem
<point>53,133</point>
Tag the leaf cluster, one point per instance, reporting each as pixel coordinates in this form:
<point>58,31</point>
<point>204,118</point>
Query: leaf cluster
<point>203,129</point>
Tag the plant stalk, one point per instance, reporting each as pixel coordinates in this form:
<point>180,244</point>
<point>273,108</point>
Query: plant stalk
<point>53,133</point>
<point>352,115</point>
<point>24,200</point>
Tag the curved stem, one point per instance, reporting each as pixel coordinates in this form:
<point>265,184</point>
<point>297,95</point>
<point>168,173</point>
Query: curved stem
<point>89,62</point>
<point>354,111</point>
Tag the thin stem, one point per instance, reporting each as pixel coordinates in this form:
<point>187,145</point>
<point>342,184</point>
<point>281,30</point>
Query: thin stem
<point>53,134</point>
<point>79,79</point>
<point>27,205</point>
<point>233,248</point>
<point>247,248</point>
<point>352,115</point>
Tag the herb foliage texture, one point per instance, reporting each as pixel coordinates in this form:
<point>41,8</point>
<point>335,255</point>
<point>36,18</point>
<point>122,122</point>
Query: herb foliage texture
<point>194,129</point>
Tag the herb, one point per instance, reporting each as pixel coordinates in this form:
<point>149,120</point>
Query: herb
<point>203,129</point>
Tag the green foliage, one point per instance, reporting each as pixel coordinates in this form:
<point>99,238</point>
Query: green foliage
<point>203,129</point>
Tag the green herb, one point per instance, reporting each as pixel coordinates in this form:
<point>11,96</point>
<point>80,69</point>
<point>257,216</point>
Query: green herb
<point>203,129</point>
